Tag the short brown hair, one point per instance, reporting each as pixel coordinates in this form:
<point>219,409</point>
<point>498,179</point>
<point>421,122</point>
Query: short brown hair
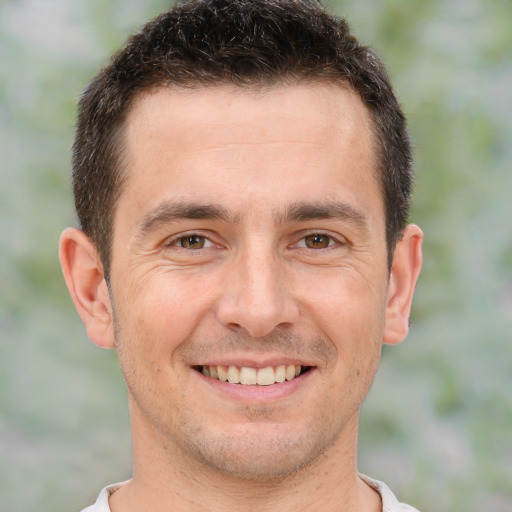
<point>243,42</point>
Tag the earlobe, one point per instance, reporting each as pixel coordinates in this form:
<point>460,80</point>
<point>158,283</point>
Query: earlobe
<point>84,278</point>
<point>407,260</point>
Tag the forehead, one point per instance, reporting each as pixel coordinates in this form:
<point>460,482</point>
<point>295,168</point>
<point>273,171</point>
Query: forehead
<point>314,110</point>
<point>278,145</point>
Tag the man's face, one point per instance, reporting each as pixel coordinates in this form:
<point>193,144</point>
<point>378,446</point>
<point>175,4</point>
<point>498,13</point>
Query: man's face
<point>249,239</point>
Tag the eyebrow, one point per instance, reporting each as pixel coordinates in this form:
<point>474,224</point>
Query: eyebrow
<point>168,212</point>
<point>303,211</point>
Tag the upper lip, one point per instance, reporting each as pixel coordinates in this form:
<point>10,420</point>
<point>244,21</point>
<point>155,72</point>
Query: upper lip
<point>254,362</point>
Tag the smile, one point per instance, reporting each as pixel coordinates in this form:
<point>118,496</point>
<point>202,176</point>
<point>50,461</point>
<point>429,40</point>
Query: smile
<point>248,376</point>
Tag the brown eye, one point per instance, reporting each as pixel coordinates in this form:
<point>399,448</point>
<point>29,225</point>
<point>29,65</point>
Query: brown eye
<point>317,241</point>
<point>192,242</point>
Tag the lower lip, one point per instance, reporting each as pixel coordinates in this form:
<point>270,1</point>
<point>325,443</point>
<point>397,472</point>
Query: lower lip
<point>257,394</point>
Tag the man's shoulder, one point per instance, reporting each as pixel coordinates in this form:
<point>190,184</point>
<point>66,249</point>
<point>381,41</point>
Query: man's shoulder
<point>390,502</point>
<point>94,508</point>
<point>101,504</point>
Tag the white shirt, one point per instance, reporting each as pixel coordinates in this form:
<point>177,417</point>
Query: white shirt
<point>389,501</point>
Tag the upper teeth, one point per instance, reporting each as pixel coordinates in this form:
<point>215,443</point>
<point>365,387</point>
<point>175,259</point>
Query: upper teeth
<point>252,376</point>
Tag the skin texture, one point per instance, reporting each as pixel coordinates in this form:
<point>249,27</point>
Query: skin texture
<point>261,173</point>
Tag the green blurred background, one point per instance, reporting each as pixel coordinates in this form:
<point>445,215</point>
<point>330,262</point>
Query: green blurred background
<point>437,426</point>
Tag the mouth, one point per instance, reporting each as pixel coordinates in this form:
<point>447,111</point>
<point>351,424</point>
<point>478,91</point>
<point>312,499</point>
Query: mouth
<point>248,376</point>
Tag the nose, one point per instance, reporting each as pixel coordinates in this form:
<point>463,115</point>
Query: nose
<point>257,295</point>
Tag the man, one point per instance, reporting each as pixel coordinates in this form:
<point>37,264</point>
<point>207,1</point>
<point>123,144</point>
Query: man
<point>242,180</point>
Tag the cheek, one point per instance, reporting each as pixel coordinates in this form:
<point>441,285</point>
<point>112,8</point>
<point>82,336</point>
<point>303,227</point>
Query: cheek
<point>354,322</point>
<point>147,337</point>
<point>163,313</point>
<point>347,296</point>
<point>351,313</point>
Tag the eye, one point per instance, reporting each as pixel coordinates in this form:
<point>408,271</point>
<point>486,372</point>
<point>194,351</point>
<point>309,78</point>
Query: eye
<point>193,242</point>
<point>316,241</point>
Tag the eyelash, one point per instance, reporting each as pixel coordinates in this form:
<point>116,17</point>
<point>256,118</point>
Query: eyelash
<point>178,241</point>
<point>332,241</point>
<point>302,242</point>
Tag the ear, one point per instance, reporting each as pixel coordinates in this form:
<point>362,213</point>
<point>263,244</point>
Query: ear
<point>404,273</point>
<point>84,277</point>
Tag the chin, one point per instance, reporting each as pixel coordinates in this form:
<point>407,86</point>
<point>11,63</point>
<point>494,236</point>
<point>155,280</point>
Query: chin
<point>256,457</point>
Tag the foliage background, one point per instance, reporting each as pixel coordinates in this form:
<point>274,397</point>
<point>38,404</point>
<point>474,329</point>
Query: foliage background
<point>438,423</point>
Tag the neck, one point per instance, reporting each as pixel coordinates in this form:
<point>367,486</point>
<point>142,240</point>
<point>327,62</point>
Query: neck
<point>165,477</point>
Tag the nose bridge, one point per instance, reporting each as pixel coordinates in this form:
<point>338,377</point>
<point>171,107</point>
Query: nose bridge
<point>260,278</point>
<point>256,296</point>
